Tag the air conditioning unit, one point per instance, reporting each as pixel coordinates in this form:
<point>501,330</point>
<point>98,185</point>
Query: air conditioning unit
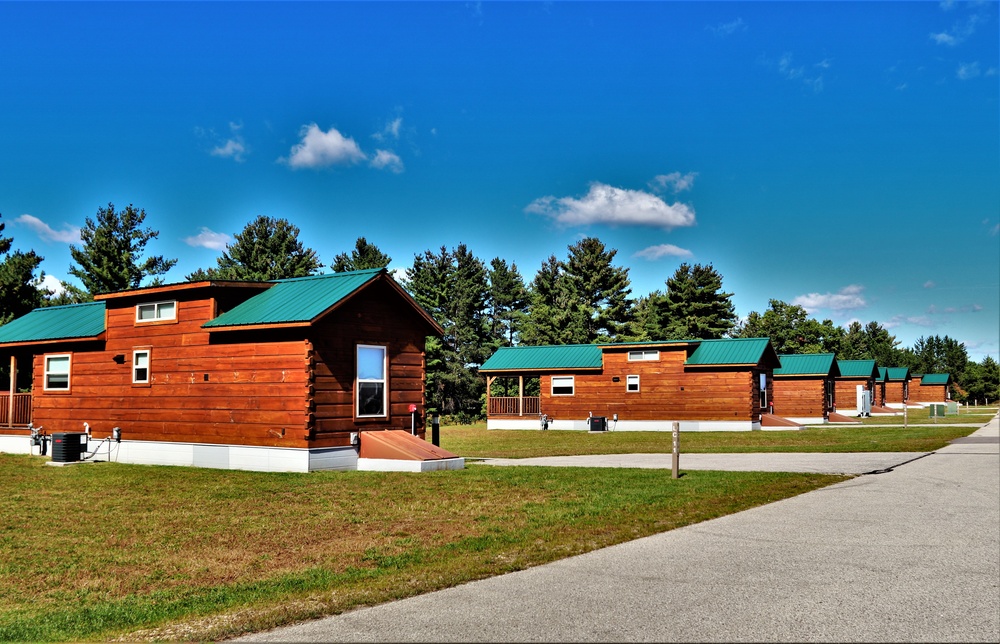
<point>68,447</point>
<point>598,423</point>
<point>864,398</point>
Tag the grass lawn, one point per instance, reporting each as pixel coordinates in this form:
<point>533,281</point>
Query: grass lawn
<point>921,434</point>
<point>104,551</point>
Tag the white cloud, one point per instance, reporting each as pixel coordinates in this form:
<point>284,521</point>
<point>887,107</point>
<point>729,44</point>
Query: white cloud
<point>233,149</point>
<point>319,149</point>
<point>675,182</point>
<point>929,284</point>
<point>968,71</point>
<point>848,298</point>
<point>960,31</point>
<point>728,28</point>
<point>916,320</point>
<point>663,250</point>
<point>207,238</point>
<point>386,160</point>
<point>390,131</point>
<point>52,284</point>
<point>605,204</point>
<point>68,234</point>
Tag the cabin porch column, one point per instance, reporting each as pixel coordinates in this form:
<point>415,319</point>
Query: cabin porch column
<point>520,395</point>
<point>13,388</point>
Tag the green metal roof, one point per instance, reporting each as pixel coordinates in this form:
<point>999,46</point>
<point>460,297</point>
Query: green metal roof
<point>732,351</point>
<point>857,368</point>
<point>566,356</point>
<point>897,373</point>
<point>71,322</point>
<point>298,300</point>
<point>935,379</point>
<point>808,364</point>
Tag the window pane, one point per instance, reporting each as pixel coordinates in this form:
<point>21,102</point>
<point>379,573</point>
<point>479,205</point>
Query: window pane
<point>371,399</point>
<point>147,311</point>
<point>57,381</point>
<point>371,363</point>
<point>57,365</point>
<point>562,385</point>
<point>141,358</point>
<point>165,311</point>
<point>632,383</point>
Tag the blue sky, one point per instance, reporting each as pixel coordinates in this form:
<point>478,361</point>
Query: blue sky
<point>841,156</point>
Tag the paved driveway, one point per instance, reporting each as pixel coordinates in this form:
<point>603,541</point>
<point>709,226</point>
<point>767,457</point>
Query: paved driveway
<point>911,554</point>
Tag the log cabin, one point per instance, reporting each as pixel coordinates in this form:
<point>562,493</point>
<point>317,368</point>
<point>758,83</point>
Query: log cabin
<point>704,385</point>
<point>854,374</point>
<point>804,387</point>
<point>286,375</point>
<point>930,388</point>
<point>896,382</point>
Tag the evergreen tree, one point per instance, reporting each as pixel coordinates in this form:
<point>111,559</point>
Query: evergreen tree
<point>935,354</point>
<point>555,314</point>
<point>364,256</point>
<point>19,292</point>
<point>507,304</point>
<point>695,307</point>
<point>67,294</point>
<point>881,346</point>
<point>111,256</point>
<point>601,288</point>
<point>267,249</point>
<point>981,382</point>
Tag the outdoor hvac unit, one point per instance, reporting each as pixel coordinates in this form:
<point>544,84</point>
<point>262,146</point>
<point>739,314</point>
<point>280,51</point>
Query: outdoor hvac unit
<point>598,423</point>
<point>68,447</point>
<point>864,401</point>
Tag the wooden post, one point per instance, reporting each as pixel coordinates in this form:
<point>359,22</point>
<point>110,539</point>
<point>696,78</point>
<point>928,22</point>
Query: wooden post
<point>676,457</point>
<point>520,395</point>
<point>489,385</point>
<point>13,388</point>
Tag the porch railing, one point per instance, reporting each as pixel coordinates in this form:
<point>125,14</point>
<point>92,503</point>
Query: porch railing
<point>21,408</point>
<point>513,406</point>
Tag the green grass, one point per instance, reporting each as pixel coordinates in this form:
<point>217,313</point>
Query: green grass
<point>921,434</point>
<point>104,551</point>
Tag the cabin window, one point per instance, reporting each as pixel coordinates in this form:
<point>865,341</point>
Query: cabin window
<point>371,387</point>
<point>155,311</point>
<point>563,385</point>
<point>632,383</point>
<point>646,354</point>
<point>57,369</point>
<point>140,367</point>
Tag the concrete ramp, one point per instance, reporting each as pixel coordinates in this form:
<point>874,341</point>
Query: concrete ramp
<point>770,422</point>
<point>395,450</point>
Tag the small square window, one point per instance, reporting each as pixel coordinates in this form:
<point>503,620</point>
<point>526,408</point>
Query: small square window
<point>646,354</point>
<point>371,382</point>
<point>563,385</point>
<point>57,369</point>
<point>632,383</point>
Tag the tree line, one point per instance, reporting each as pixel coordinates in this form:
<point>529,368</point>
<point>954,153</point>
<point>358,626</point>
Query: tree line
<point>580,298</point>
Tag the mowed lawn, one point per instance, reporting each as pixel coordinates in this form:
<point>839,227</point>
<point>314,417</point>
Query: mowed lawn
<point>878,434</point>
<point>104,551</point>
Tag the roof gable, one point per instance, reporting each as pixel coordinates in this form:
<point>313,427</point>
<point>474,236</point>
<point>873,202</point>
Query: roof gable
<point>935,379</point>
<point>857,369</point>
<point>897,373</point>
<point>734,352</point>
<point>552,357</point>
<point>53,323</point>
<point>304,300</point>
<point>808,364</point>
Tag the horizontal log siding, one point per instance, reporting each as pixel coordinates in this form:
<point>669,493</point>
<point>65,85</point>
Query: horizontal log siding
<point>927,393</point>
<point>894,392</point>
<point>255,392</point>
<point>716,394</point>
<point>846,391</point>
<point>799,397</point>
<point>375,316</point>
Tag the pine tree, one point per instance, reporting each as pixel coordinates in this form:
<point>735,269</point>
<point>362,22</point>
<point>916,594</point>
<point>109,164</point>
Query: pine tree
<point>19,292</point>
<point>267,249</point>
<point>507,304</point>
<point>364,256</point>
<point>111,256</point>
<point>601,288</point>
<point>555,315</point>
<point>695,307</point>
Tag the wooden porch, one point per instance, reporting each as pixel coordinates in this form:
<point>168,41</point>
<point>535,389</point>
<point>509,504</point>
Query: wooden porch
<point>15,410</point>
<point>519,405</point>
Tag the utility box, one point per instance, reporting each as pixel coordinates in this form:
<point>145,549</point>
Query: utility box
<point>598,423</point>
<point>68,447</point>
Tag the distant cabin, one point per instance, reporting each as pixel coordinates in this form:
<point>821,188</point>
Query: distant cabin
<point>705,385</point>
<point>278,376</point>
<point>854,374</point>
<point>896,383</point>
<point>804,387</point>
<point>930,388</point>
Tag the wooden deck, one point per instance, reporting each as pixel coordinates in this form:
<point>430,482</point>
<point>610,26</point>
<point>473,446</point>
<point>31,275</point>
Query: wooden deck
<point>16,412</point>
<point>513,406</point>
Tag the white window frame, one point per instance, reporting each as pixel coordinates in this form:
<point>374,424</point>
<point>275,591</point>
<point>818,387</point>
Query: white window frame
<point>630,380</point>
<point>384,380</point>
<point>641,355</point>
<point>48,372</point>
<point>158,312</point>
<point>135,354</point>
<point>571,380</point>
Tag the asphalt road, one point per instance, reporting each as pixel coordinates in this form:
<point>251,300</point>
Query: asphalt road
<point>909,554</point>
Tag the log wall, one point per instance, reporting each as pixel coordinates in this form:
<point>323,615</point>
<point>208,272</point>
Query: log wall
<point>803,396</point>
<point>846,391</point>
